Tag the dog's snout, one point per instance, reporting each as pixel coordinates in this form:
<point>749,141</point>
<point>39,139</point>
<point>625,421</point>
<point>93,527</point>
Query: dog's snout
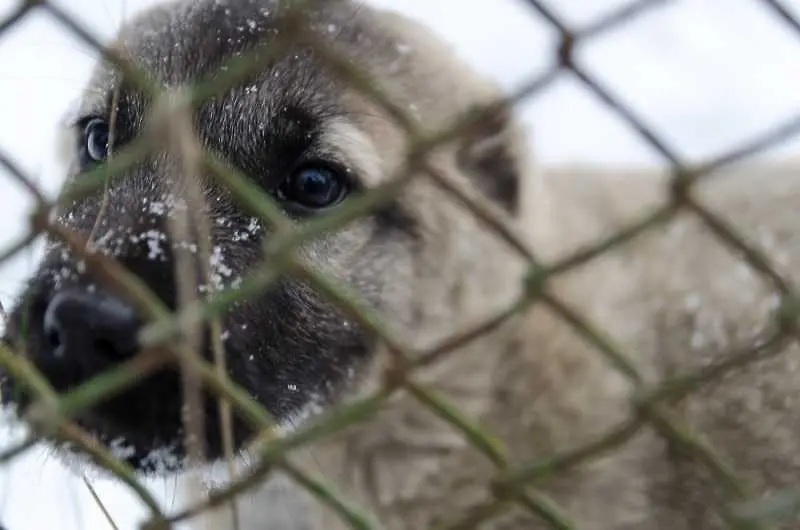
<point>92,326</point>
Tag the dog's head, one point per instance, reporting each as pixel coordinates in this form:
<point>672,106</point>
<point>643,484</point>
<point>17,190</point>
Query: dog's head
<point>311,141</point>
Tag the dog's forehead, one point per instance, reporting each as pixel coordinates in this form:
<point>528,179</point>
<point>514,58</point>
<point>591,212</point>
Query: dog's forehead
<point>192,38</point>
<point>185,42</point>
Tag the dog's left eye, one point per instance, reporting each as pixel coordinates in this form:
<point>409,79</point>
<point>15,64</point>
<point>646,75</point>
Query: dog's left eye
<point>314,187</point>
<point>95,147</point>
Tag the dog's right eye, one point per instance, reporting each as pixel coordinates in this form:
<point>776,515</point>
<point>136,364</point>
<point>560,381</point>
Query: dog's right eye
<point>94,144</point>
<point>313,187</point>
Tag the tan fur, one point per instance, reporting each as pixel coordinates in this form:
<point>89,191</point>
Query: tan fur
<point>674,300</point>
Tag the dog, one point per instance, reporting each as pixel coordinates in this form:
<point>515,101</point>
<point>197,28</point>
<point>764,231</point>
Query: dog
<point>674,299</point>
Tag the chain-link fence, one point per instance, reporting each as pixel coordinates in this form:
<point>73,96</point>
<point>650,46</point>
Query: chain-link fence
<point>51,412</point>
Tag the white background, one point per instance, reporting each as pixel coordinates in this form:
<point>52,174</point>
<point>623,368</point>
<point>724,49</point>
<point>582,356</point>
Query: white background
<point>707,74</point>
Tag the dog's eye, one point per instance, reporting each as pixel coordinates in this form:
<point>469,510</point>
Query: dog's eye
<point>314,187</point>
<point>95,141</point>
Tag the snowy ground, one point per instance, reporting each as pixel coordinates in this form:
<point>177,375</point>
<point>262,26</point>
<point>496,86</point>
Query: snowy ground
<point>706,73</point>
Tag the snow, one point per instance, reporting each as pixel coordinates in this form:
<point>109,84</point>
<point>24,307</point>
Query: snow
<point>706,75</point>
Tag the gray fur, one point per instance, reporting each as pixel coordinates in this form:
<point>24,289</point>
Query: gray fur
<point>414,261</point>
<point>675,299</point>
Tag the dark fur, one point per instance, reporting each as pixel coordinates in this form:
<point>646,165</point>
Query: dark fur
<point>288,345</point>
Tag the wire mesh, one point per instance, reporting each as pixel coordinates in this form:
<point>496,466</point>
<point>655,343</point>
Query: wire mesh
<point>511,485</point>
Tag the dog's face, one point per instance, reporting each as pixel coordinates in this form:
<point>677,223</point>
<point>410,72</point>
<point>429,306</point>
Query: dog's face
<point>308,140</point>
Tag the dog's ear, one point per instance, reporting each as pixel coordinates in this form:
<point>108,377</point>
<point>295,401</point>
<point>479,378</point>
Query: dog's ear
<point>490,156</point>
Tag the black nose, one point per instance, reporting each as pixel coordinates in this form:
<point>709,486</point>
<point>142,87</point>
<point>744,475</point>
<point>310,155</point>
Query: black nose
<point>92,326</point>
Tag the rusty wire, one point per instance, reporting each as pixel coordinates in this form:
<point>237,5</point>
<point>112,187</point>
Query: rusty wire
<point>512,485</point>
